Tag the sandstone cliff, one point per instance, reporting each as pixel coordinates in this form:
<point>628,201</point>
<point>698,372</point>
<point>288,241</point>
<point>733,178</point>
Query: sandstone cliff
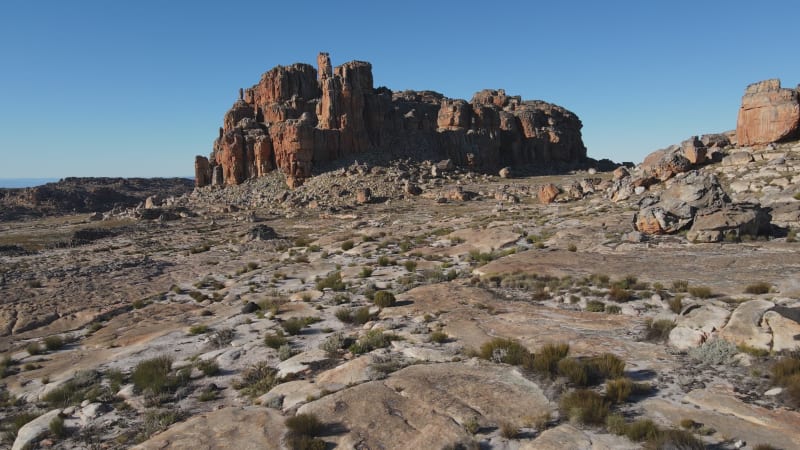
<point>297,116</point>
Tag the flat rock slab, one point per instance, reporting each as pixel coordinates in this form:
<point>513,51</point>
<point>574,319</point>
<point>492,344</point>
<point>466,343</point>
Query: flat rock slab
<point>745,328</point>
<point>718,408</point>
<point>239,428</point>
<point>425,406</point>
<point>741,265</point>
<point>567,437</point>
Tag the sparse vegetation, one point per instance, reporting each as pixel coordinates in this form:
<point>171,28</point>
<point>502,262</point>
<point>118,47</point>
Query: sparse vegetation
<point>221,337</point>
<point>53,343</point>
<point>348,245</point>
<point>375,338</point>
<point>658,330</point>
<point>357,316</point>
<point>198,329</point>
<point>714,352</point>
<point>275,340</point>
<point>547,358</point>
<point>619,389</point>
<point>758,288</point>
<point>333,282</point>
<point>57,427</point>
<point>584,407</point>
<point>595,306</point>
<point>702,292</point>
<point>384,299</point>
<point>34,348</point>
<point>293,326</point>
<point>676,304</point>
<point>439,337</point>
<point>508,351</point>
<point>209,367</point>
<point>257,380</point>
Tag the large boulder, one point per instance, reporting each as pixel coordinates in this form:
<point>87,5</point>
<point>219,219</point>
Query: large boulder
<point>745,326</point>
<point>729,222</point>
<point>666,163</point>
<point>768,114</point>
<point>696,326</point>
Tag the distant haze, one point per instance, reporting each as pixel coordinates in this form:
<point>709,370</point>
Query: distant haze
<point>24,182</point>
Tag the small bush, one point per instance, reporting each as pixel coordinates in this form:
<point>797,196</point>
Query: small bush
<point>305,443</point>
<point>304,425</point>
<point>384,299</point>
<point>257,380</point>
<point>658,330</point>
<point>758,288</point>
<point>285,352</point>
<point>18,421</point>
<point>766,446</point>
<point>222,337</point>
<point>198,329</point>
<point>619,294</point>
<point>384,261</point>
<point>275,340</point>
<point>366,272</point>
<point>333,281</point>
<point>508,430</point>
<point>57,427</point>
<point>508,351</point>
<point>680,286</point>
<point>575,371</point>
<point>209,367</point>
<point>619,389</point>
<point>410,265</point>
<point>714,352</point>
<point>572,248</point>
<point>613,309</point>
<point>333,344</point>
<point>35,348</point>
<point>472,426</point>
<point>676,304</point>
<point>607,365</point>
<point>293,326</point>
<point>439,337</point>
<point>83,386</point>
<point>374,338</point>
<point>547,358</point>
<point>153,374</point>
<point>348,245</point>
<point>54,343</point>
<point>674,439</point>
<point>615,423</point>
<point>595,306</point>
<point>642,430</point>
<point>785,369</point>
<point>585,407</point>
<point>700,292</point>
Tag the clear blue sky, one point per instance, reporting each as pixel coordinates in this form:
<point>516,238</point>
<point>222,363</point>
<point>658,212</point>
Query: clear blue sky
<point>137,88</point>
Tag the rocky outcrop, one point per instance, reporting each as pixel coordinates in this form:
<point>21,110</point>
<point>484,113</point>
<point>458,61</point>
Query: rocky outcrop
<point>768,114</point>
<point>298,116</point>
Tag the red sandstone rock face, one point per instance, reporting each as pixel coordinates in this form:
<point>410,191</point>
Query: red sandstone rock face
<point>768,114</point>
<point>202,171</point>
<point>296,116</point>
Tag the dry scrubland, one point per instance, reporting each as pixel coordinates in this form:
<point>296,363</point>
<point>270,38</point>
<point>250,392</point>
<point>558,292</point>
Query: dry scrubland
<point>471,315</point>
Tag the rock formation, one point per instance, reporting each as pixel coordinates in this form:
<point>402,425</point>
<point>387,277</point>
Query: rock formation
<point>298,116</point>
<point>768,114</point>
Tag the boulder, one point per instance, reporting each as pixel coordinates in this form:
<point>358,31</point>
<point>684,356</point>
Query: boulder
<point>505,172</point>
<point>363,195</point>
<point>768,114</point>
<point>665,164</point>
<point>729,222</point>
<point>620,173</point>
<point>548,193</point>
<point>744,327</point>
<point>737,159</point>
<point>694,150</point>
<point>785,329</point>
<point>34,430</point>
<point>697,325</point>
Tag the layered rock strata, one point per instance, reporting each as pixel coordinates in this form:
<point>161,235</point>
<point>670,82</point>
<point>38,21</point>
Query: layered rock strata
<point>298,116</point>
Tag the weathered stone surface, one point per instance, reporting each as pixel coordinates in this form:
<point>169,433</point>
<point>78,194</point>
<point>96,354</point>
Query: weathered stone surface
<point>363,195</point>
<point>745,325</point>
<point>620,173</point>
<point>737,159</point>
<point>236,427</point>
<point>566,436</point>
<point>296,115</point>
<point>694,150</point>
<point>202,171</point>
<point>665,164</point>
<point>768,114</point>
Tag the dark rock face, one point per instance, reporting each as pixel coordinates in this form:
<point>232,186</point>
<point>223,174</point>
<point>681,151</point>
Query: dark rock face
<point>297,116</point>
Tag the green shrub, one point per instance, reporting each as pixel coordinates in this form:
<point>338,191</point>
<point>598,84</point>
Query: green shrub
<point>54,343</point>
<point>680,286</point>
<point>305,443</point>
<point>585,407</point>
<point>375,338</point>
<point>613,309</point>
<point>575,371</point>
<point>410,265</point>
<point>347,245</point>
<point>439,337</point>
<point>384,299</point>
<point>333,344</point>
<point>275,340</point>
<point>595,306</point>
<point>257,380</point>
<point>366,272</point>
<point>607,365</point>
<point>676,304</point>
<point>293,326</point>
<point>642,430</point>
<point>619,294</point>
<point>84,385</point>
<point>209,367</point>
<point>304,425</point>
<point>547,358</point>
<point>285,352</point>
<point>758,288</point>
<point>34,348</point>
<point>384,261</point>
<point>714,352</point>
<point>508,430</point>
<point>572,248</point>
<point>333,281</point>
<point>615,423</point>
<point>508,351</point>
<point>57,427</point>
<point>674,439</point>
<point>222,337</point>
<point>700,291</point>
<point>198,329</point>
<point>619,389</point>
<point>208,395</point>
<point>153,375</point>
<point>658,330</point>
